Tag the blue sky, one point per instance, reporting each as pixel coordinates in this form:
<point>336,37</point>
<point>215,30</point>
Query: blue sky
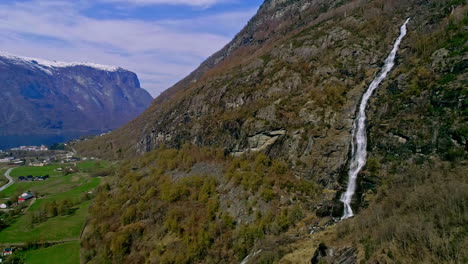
<point>161,40</point>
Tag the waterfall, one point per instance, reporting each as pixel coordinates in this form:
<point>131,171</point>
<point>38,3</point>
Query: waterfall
<point>246,259</point>
<point>359,137</point>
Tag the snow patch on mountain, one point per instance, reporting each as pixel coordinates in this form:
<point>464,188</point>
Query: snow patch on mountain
<point>46,65</point>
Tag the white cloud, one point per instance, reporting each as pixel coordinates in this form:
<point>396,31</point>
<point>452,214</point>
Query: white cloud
<point>195,3</point>
<point>160,52</point>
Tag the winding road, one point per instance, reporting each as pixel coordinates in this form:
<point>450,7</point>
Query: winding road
<point>10,180</point>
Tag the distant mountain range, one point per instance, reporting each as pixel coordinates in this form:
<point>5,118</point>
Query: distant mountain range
<point>43,102</point>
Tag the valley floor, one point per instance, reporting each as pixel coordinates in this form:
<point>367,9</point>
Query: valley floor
<point>47,228</point>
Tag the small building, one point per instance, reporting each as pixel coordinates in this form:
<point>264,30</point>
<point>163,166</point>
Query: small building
<point>16,163</point>
<point>7,251</point>
<point>4,206</point>
<point>25,196</point>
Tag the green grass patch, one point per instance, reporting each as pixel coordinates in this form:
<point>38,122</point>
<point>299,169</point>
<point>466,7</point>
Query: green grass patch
<point>53,229</point>
<point>54,185</point>
<point>70,187</point>
<point>36,171</point>
<point>73,194</point>
<point>68,253</point>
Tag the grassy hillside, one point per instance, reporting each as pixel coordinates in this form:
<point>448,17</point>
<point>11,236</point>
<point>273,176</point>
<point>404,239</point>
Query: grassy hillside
<point>165,208</point>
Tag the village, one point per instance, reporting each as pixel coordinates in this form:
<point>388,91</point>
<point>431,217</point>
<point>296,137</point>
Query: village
<point>39,156</point>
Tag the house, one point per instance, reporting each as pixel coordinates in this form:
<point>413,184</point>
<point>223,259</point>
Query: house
<point>3,206</point>
<point>22,178</point>
<point>7,251</point>
<point>25,196</point>
<point>16,163</point>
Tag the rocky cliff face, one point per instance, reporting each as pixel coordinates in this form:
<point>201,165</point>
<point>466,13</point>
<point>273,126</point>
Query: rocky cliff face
<point>288,85</point>
<point>49,100</point>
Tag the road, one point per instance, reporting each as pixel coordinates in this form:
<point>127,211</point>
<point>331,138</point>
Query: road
<point>10,180</point>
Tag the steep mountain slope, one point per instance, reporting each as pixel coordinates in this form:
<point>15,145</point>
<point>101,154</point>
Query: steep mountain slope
<point>288,87</point>
<point>44,100</point>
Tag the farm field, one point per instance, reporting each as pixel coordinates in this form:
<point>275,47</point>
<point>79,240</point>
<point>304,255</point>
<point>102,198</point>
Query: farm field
<point>57,228</point>
<point>36,171</point>
<point>53,185</point>
<point>67,253</point>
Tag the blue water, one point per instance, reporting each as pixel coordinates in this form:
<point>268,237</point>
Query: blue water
<point>7,142</point>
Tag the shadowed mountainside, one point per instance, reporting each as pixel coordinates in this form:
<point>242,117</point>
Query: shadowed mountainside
<point>52,100</point>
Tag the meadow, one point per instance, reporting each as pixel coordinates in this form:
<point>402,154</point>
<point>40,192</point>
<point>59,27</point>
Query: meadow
<point>36,171</point>
<point>66,253</point>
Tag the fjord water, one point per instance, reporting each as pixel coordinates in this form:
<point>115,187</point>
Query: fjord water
<point>359,137</point>
<point>13,141</point>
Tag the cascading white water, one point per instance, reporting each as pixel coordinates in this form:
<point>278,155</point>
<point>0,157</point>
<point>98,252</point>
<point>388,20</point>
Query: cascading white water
<point>359,144</point>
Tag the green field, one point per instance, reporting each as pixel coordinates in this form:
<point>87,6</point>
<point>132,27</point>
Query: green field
<point>54,229</point>
<point>72,194</point>
<point>36,171</point>
<point>67,253</point>
<point>53,185</point>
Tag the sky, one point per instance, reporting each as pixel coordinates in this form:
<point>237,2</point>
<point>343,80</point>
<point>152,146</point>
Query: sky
<point>160,40</point>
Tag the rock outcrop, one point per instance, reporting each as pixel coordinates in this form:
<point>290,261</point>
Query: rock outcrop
<point>342,255</point>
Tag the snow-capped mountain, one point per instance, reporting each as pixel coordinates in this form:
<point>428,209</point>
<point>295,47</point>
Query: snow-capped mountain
<point>45,101</point>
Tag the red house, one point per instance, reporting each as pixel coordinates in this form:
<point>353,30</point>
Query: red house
<point>25,196</point>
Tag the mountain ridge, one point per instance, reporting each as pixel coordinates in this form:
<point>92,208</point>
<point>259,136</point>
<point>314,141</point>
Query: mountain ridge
<point>57,101</point>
